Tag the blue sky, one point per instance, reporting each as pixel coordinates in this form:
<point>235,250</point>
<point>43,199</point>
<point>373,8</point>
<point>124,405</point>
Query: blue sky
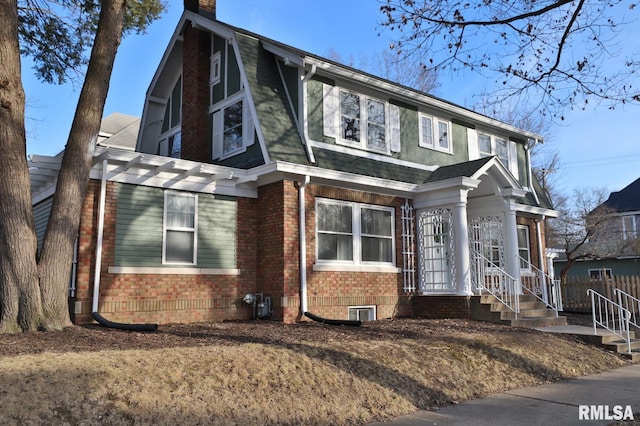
<point>598,148</point>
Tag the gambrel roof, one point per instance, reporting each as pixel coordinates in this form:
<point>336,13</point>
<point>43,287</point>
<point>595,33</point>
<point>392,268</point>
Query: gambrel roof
<point>265,65</point>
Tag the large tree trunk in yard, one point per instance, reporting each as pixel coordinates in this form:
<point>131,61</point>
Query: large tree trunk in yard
<point>57,249</point>
<point>20,303</point>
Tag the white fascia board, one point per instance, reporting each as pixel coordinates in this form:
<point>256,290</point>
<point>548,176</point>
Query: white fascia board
<point>287,56</point>
<point>422,98</point>
<point>335,178</point>
<point>461,182</point>
<point>500,171</point>
<point>43,193</point>
<point>538,211</point>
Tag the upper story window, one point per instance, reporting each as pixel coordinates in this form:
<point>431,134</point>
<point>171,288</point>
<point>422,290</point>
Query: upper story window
<point>354,233</point>
<point>360,121</point>
<point>180,225</point>
<point>215,70</point>
<point>434,133</point>
<point>489,145</point>
<point>631,226</point>
<point>170,142</point>
<point>233,129</point>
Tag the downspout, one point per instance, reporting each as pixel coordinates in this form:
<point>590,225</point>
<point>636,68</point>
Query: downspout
<point>303,244</point>
<point>96,279</point>
<point>303,262</point>
<point>527,151</point>
<point>545,294</point>
<point>305,126</point>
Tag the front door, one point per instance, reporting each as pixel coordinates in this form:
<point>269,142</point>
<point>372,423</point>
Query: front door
<point>435,251</point>
<point>487,254</point>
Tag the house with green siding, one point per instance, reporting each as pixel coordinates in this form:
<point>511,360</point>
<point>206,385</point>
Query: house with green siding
<point>270,182</point>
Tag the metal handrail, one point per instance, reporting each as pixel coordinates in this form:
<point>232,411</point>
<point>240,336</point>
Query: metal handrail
<point>506,289</point>
<point>631,303</point>
<point>607,318</point>
<point>551,292</point>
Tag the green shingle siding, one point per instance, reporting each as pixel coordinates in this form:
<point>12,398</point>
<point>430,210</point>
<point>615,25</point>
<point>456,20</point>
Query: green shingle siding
<point>275,116</point>
<point>139,223</point>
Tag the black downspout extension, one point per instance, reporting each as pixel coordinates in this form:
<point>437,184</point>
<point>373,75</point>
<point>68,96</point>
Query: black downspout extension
<point>120,326</point>
<point>351,323</point>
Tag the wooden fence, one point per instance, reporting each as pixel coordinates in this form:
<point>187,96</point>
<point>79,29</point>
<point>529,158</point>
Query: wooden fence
<point>574,290</point>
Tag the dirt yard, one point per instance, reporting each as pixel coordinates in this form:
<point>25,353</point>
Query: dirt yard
<point>270,373</point>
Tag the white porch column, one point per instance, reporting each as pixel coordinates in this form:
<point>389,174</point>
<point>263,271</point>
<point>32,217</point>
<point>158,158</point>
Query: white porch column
<point>511,254</point>
<point>462,255</point>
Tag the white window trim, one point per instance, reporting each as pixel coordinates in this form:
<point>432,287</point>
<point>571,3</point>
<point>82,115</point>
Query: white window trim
<point>364,123</point>
<point>526,228</point>
<point>332,120</point>
<point>629,233</point>
<point>194,229</point>
<point>369,307</point>
<point>599,270</point>
<point>356,235</point>
<point>248,128</point>
<point>435,133</point>
<point>164,138</point>
<point>215,70</point>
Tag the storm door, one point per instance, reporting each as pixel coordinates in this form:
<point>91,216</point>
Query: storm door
<point>435,251</point>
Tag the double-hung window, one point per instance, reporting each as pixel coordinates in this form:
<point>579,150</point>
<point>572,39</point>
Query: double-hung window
<point>354,233</point>
<point>434,133</point>
<point>489,145</point>
<point>233,129</point>
<point>180,228</point>
<point>363,121</point>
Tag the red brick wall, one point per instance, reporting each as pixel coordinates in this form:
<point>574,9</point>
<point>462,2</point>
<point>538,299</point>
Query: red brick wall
<point>196,122</point>
<point>435,307</point>
<point>156,298</point>
<point>330,293</point>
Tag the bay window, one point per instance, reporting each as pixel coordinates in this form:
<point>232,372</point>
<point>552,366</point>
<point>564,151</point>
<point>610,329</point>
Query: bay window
<point>354,233</point>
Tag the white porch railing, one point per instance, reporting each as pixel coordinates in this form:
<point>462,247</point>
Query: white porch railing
<point>630,303</point>
<point>496,281</point>
<point>611,316</point>
<point>543,287</point>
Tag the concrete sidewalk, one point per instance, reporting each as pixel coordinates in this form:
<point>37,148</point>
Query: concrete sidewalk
<point>552,404</point>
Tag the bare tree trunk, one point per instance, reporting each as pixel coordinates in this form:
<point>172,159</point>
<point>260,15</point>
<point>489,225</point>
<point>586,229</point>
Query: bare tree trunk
<point>57,249</point>
<point>20,303</point>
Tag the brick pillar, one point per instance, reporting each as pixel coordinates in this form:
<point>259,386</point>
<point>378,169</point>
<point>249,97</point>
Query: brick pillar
<point>196,121</point>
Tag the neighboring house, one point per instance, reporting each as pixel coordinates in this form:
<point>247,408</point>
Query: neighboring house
<point>262,169</point>
<point>616,249</point>
<point>119,130</point>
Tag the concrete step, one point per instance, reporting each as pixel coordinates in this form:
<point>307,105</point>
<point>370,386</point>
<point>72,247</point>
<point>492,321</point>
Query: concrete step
<point>538,322</point>
<point>621,346</point>
<point>500,307</point>
<point>528,313</point>
<point>490,298</point>
<point>611,338</point>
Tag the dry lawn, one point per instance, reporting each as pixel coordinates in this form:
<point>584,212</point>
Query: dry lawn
<point>269,373</point>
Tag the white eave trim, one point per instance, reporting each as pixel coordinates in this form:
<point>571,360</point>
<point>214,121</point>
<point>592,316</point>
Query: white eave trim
<point>288,57</point>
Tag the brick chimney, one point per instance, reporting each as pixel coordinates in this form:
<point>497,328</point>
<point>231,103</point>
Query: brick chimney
<point>205,7</point>
<point>196,122</point>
